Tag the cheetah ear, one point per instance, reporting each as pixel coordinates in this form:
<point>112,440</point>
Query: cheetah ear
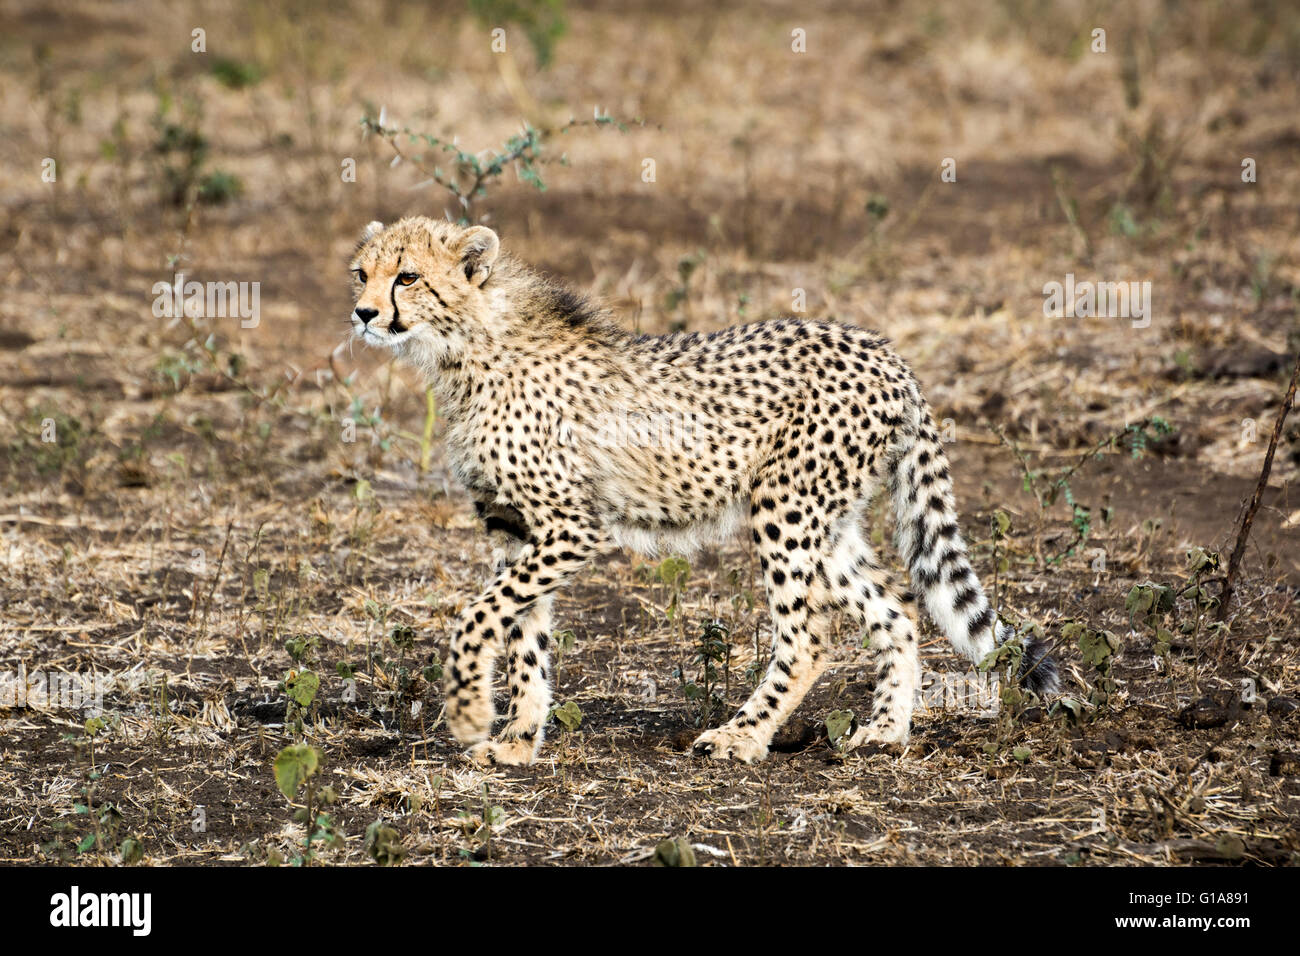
<point>372,229</point>
<point>478,250</point>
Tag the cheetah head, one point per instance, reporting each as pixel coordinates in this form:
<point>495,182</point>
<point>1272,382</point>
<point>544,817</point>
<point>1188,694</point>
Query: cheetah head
<point>419,286</point>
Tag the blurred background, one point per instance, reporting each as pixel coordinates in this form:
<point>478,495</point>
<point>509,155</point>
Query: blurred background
<point>925,169</point>
<point>788,147</point>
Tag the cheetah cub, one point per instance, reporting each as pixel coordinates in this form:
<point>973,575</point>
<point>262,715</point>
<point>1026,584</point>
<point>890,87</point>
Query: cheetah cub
<point>786,426</point>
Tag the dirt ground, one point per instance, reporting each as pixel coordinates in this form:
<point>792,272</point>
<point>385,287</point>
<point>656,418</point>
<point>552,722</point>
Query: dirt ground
<point>193,512</point>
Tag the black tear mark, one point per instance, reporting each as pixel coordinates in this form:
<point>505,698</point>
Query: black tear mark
<point>396,325</point>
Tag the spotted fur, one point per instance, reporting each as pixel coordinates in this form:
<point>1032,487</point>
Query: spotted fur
<point>572,436</point>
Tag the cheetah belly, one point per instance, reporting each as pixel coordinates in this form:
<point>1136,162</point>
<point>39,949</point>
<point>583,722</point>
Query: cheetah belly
<point>684,539</point>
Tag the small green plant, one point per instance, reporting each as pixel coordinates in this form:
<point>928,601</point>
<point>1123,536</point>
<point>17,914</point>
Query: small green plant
<point>675,852</point>
<point>477,827</point>
<point>714,652</point>
<point>384,843</point>
<point>402,637</point>
<point>680,294</point>
<point>300,689</point>
<point>1005,660</point>
<point>1148,604</point>
<point>84,743</point>
<point>132,851</point>
<point>1052,485</point>
<point>838,725</point>
<point>301,684</point>
<point>236,74</point>
<point>1099,648</point>
<point>180,147</point>
<point>54,443</point>
<point>673,573</point>
<point>1122,221</point>
<point>303,649</point>
<point>177,368</point>
<point>713,663</point>
<point>93,728</point>
<point>219,187</point>
<point>182,152</point>
<point>542,21</point>
<point>106,822</point>
<point>296,767</point>
<point>563,641</point>
<point>466,177</point>
<point>1154,607</point>
<point>568,715</point>
<point>105,819</point>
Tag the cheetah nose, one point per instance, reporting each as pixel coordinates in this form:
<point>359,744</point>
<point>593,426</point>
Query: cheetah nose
<point>365,315</point>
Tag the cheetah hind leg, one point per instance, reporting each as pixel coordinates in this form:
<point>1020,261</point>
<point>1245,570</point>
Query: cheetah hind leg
<point>860,585</point>
<point>798,648</point>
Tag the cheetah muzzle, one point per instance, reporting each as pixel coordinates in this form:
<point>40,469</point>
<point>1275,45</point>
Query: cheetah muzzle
<point>787,426</point>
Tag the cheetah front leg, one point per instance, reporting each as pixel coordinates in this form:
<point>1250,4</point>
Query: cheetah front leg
<point>511,603</point>
<point>530,691</point>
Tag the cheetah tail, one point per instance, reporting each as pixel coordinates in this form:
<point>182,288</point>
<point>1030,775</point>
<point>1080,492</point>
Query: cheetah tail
<point>930,542</point>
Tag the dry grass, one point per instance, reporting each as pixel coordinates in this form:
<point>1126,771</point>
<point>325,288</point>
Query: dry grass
<point>198,510</point>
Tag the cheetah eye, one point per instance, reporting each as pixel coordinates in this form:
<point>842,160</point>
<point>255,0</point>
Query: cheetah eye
<point>407,278</point>
<point>360,274</point>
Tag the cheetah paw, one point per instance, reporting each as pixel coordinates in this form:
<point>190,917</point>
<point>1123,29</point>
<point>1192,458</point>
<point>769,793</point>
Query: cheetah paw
<point>510,752</point>
<point>887,735</point>
<point>728,743</point>
<point>469,723</point>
